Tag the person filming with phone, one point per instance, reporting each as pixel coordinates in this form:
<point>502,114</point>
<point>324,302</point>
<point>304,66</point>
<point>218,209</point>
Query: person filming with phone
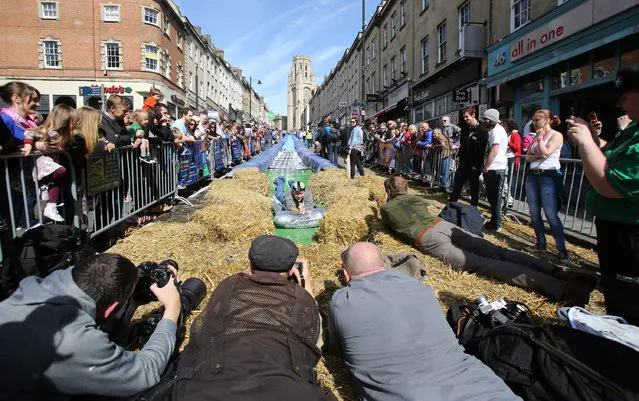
<point>614,199</point>
<point>260,333</point>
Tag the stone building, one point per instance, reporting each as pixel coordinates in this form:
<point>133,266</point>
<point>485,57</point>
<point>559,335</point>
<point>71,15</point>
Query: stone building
<point>301,85</point>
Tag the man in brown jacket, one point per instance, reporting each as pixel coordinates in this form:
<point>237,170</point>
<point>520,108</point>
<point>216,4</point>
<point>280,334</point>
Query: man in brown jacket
<point>258,336</point>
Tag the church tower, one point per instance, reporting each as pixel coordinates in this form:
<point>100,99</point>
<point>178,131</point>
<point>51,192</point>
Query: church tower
<point>301,84</point>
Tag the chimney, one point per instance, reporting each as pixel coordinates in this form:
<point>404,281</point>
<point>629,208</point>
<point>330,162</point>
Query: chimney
<point>220,51</point>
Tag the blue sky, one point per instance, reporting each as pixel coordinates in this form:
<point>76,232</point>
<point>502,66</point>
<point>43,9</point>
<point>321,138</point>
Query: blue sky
<point>262,36</point>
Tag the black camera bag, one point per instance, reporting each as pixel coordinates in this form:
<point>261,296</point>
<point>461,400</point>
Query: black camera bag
<point>549,362</point>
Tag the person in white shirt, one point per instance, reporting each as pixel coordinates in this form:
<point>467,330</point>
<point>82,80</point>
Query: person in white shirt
<point>495,166</point>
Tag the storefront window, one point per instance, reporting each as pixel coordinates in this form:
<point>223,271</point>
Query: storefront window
<point>579,69</point>
<point>428,110</point>
<point>559,76</point>
<point>603,62</point>
<point>440,106</point>
<point>630,51</point>
<point>419,114</point>
<point>531,86</point>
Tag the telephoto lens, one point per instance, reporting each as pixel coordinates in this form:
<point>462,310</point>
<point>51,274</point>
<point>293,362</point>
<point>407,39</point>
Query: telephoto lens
<point>192,293</point>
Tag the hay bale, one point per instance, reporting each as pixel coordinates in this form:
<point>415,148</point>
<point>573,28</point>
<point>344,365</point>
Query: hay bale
<point>238,195</point>
<point>347,222</point>
<point>324,184</point>
<point>375,187</point>
<point>233,222</point>
<point>252,179</point>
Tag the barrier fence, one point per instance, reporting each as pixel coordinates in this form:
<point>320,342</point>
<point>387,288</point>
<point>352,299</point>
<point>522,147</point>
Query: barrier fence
<point>114,186</point>
<point>436,167</point>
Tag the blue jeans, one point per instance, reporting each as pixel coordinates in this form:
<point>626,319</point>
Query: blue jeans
<point>445,176</point>
<point>494,180</point>
<point>332,152</point>
<point>280,191</point>
<point>541,192</point>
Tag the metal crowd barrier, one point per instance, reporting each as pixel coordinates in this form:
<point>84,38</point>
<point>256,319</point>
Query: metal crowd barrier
<point>21,203</point>
<point>434,164</point>
<point>142,185</point>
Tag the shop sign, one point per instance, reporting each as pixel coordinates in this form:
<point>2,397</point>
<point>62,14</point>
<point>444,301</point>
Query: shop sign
<point>342,104</point>
<point>398,94</point>
<point>473,41</point>
<point>213,115</point>
<point>560,28</point>
<point>177,100</point>
<point>460,96</point>
<point>93,90</point>
<point>117,90</point>
<point>421,96</point>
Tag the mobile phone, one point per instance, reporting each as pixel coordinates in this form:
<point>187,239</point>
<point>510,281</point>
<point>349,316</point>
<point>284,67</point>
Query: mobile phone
<point>593,117</point>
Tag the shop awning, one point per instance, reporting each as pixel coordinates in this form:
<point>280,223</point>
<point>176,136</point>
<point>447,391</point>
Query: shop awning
<point>387,109</point>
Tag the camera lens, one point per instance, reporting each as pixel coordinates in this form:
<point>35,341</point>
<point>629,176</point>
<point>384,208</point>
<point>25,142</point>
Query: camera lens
<point>193,292</point>
<point>170,262</point>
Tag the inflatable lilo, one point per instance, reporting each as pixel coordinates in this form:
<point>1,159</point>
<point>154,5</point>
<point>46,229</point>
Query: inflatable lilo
<point>295,209</point>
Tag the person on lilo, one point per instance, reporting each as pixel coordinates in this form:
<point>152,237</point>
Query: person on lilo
<point>408,217</point>
<point>395,339</point>
<point>298,200</point>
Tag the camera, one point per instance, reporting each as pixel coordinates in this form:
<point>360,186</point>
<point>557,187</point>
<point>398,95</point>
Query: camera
<point>298,266</point>
<point>192,292</point>
<point>501,311</point>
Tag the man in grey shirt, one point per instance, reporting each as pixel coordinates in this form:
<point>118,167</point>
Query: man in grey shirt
<point>395,338</point>
<point>52,348</point>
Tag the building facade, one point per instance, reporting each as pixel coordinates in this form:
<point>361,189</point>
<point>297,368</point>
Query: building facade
<point>562,56</point>
<point>79,55</point>
<point>301,84</point>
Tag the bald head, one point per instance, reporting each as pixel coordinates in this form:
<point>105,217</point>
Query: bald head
<point>361,258</point>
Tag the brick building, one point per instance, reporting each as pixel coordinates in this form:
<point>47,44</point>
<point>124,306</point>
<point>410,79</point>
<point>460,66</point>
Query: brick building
<point>75,51</point>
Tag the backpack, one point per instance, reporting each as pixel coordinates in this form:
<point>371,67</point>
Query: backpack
<point>465,216</point>
<point>333,136</point>
<point>50,247</point>
<point>405,263</point>
<point>546,362</point>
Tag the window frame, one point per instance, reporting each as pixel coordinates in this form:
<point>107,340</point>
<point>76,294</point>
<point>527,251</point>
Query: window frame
<point>514,3</point>
<point>393,25</point>
<point>166,25</point>
<point>402,14</point>
<point>57,54</point>
<point>104,13</point>
<point>424,56</point>
<point>441,45</point>
<point>385,35</point>
<point>460,17</point>
<point>393,67</point>
<point>402,60</point>
<point>425,4</point>
<point>373,50</point>
<point>157,60</point>
<point>385,75</point>
<point>106,44</point>
<point>43,11</point>
<point>157,16</point>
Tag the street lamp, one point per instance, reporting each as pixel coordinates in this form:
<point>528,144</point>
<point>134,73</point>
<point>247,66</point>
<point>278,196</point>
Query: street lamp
<point>251,96</point>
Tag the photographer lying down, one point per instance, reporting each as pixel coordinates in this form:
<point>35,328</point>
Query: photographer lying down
<point>51,345</point>
<point>259,334</point>
<point>395,338</point>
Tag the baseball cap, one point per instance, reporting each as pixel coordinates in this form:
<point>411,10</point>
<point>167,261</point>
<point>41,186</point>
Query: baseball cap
<point>272,253</point>
<point>627,80</point>
<point>299,186</point>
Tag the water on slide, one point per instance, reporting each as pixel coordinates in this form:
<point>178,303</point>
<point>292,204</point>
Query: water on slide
<point>288,164</point>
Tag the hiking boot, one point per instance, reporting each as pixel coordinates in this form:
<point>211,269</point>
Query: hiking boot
<point>578,289</point>
<point>51,212</point>
<point>564,257</point>
<point>535,248</point>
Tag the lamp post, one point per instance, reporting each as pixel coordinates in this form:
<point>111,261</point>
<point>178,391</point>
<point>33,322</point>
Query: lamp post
<point>363,100</point>
<point>251,96</point>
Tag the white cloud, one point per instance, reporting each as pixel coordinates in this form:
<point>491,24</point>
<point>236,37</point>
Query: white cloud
<point>328,53</point>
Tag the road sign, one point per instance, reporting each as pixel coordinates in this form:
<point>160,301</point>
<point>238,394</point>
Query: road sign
<point>354,113</point>
<point>460,96</point>
<point>270,115</point>
<point>372,97</point>
<point>342,104</point>
<point>363,113</point>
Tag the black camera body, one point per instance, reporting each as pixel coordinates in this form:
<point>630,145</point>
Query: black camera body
<point>152,273</point>
<point>298,266</point>
<point>501,311</point>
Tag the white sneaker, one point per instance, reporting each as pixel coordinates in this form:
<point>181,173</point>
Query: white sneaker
<point>44,192</point>
<point>51,211</point>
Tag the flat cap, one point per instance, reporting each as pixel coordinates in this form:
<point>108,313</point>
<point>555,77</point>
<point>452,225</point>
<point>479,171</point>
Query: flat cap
<point>272,253</point>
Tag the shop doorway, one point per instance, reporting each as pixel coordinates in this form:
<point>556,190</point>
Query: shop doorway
<point>526,112</point>
<point>601,99</point>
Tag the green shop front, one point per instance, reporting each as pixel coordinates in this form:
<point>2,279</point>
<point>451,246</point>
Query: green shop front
<point>566,61</point>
